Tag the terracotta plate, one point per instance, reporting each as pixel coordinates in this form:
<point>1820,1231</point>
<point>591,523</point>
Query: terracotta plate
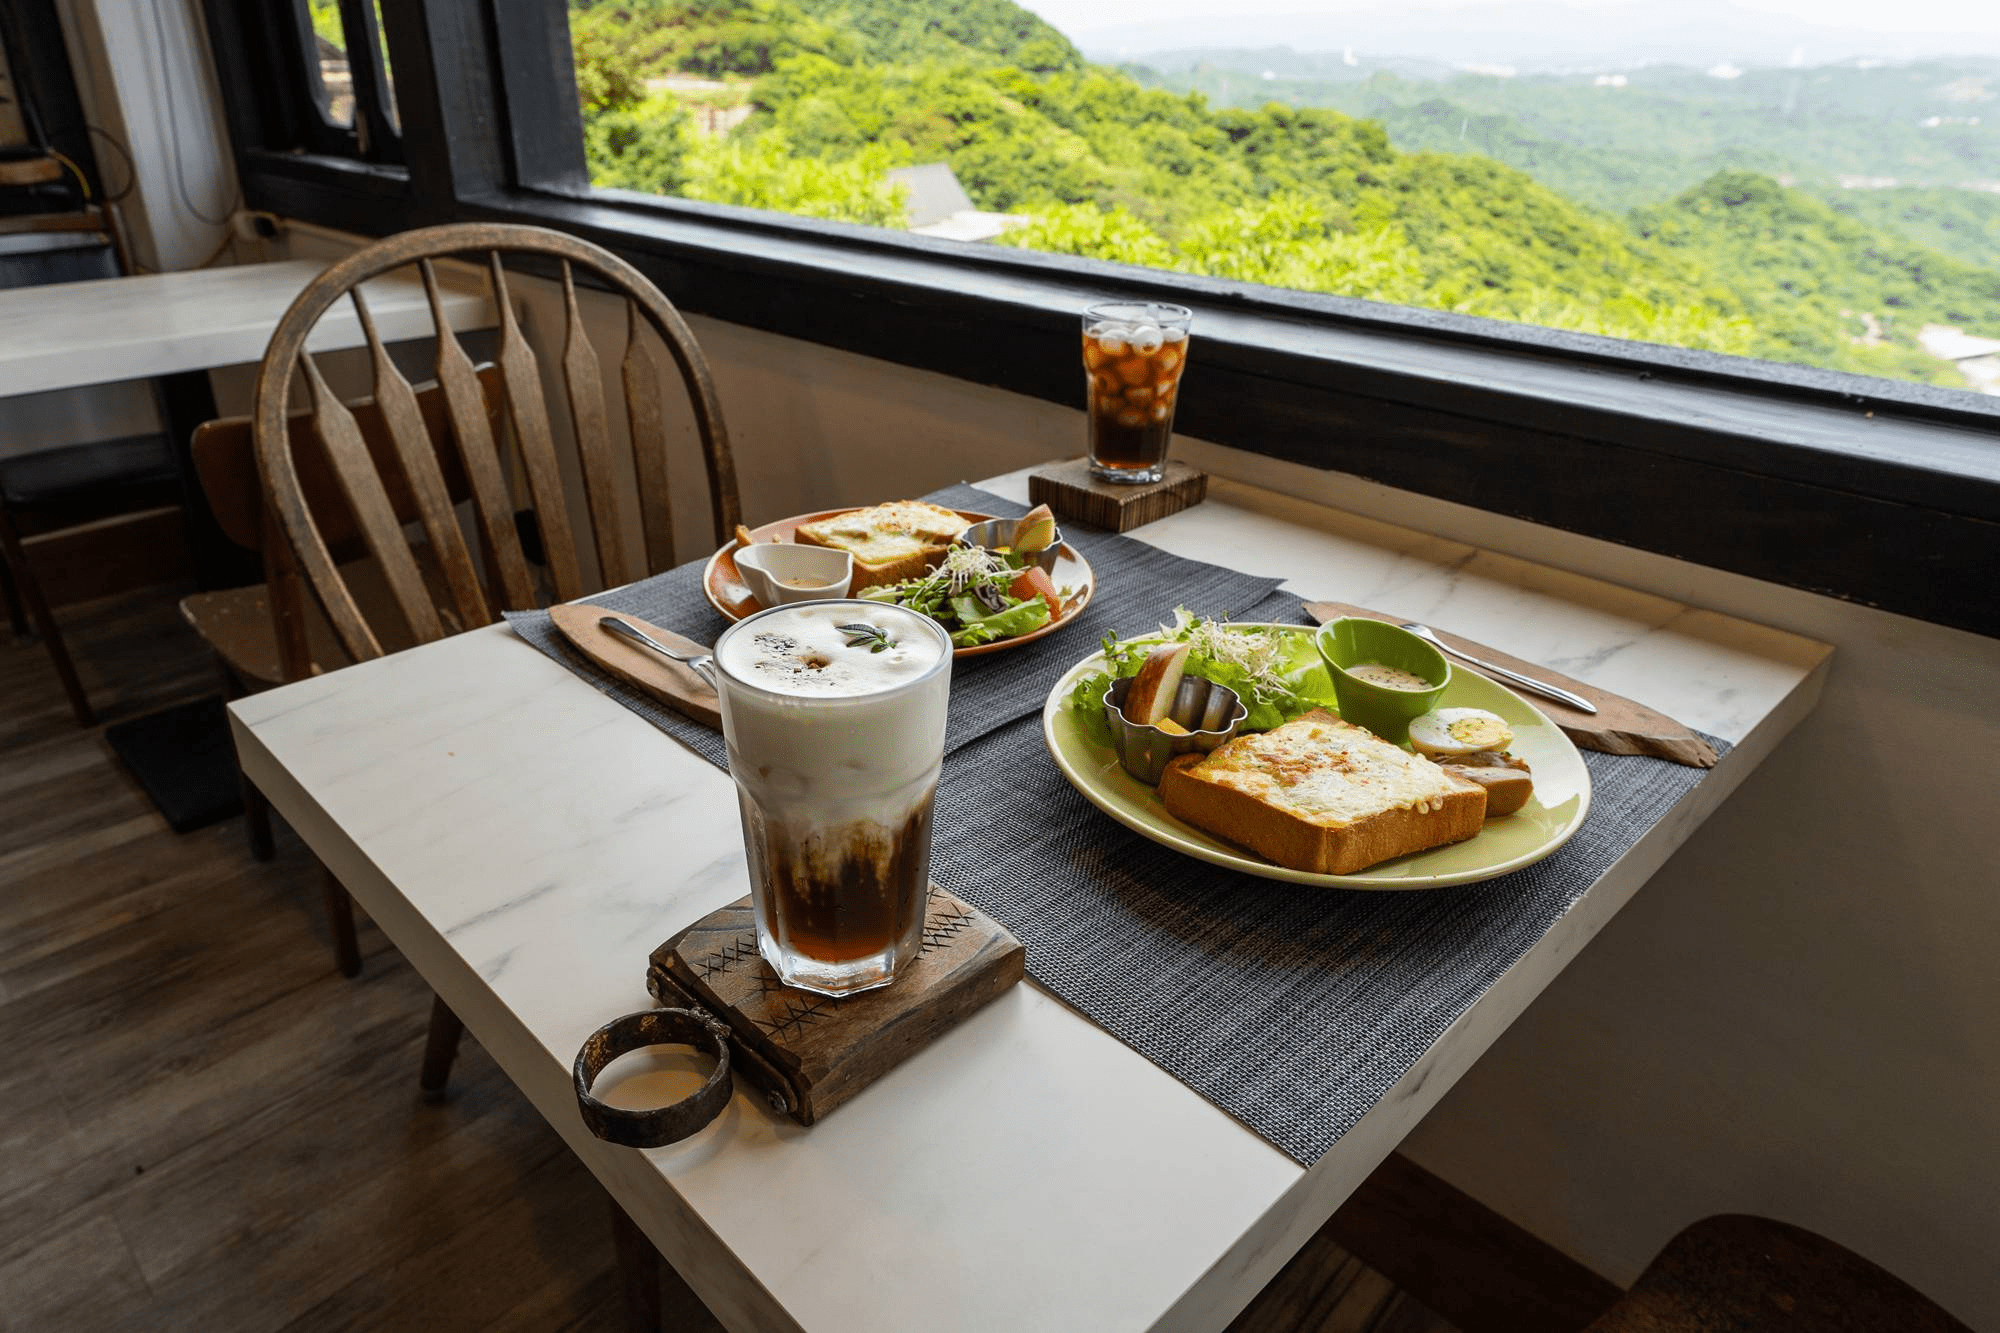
<point>728,594</point>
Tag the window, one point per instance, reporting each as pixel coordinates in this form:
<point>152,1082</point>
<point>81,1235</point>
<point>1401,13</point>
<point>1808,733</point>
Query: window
<point>1820,204</point>
<point>1789,473</point>
<point>333,77</point>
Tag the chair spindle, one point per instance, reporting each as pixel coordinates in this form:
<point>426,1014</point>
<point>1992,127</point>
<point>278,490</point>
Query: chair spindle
<point>472,431</point>
<point>530,415</point>
<point>593,439</point>
<point>369,500</point>
<point>404,422</point>
<point>641,372</point>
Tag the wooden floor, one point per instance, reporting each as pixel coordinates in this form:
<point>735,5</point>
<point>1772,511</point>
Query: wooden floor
<point>203,1126</point>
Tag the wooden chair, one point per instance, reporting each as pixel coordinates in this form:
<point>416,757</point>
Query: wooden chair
<point>474,591</point>
<point>472,602</point>
<point>1754,1275</point>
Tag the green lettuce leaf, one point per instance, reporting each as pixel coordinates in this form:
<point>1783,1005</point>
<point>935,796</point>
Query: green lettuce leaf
<point>1278,674</point>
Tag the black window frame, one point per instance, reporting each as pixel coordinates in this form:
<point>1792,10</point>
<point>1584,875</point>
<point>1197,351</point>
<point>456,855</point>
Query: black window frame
<point>1875,491</point>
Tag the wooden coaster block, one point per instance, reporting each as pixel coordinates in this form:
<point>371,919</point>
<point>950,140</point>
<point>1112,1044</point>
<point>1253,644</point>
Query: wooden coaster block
<point>1070,490</point>
<point>813,1052</point>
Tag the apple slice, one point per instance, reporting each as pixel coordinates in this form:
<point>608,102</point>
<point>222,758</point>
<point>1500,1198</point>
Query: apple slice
<point>1151,696</point>
<point>1035,531</point>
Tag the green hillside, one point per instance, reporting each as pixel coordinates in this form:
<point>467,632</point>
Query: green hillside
<point>1964,224</point>
<point>835,93</point>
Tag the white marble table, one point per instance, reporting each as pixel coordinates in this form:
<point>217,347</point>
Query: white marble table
<point>84,333</point>
<point>526,842</point>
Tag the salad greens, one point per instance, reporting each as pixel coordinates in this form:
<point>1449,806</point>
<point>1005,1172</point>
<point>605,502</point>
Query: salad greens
<point>979,595</point>
<point>1277,673</point>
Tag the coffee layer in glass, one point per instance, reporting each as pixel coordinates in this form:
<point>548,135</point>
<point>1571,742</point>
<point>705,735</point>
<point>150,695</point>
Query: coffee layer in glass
<point>834,717</point>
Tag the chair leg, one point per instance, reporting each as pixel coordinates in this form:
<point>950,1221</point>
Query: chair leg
<point>440,1049</point>
<point>17,615</point>
<point>340,921</point>
<point>23,577</point>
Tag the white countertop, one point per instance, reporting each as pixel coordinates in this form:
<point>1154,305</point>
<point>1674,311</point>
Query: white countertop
<point>527,842</point>
<point>70,335</point>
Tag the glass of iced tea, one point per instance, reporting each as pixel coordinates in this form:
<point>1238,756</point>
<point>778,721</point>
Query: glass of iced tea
<point>1133,355</point>
<point>834,715</point>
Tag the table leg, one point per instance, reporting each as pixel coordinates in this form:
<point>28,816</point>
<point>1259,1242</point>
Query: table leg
<point>185,401</point>
<point>638,1271</point>
<point>657,1299</point>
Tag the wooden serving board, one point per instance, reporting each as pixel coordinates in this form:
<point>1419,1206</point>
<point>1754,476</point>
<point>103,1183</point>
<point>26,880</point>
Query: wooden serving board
<point>674,685</point>
<point>1619,726</point>
<point>814,1052</point>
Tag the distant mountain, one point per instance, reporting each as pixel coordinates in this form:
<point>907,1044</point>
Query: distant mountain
<point>1541,36</point>
<point>1619,142</point>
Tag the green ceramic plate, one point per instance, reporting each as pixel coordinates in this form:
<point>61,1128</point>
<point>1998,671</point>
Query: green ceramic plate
<point>1553,813</point>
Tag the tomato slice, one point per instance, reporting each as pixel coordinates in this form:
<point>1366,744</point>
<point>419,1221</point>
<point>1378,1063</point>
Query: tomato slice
<point>1034,582</point>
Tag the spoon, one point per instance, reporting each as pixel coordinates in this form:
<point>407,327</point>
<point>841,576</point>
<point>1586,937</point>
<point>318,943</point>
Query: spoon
<point>1540,687</point>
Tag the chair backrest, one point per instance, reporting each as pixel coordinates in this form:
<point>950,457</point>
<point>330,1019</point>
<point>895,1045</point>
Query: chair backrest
<point>225,459</point>
<point>362,484</point>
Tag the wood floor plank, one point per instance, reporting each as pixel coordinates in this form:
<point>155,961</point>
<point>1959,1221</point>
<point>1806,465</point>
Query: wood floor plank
<point>461,1288</point>
<point>78,1275</point>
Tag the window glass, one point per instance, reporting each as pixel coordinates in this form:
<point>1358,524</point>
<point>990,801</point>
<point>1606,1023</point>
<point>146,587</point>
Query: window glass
<point>13,128</point>
<point>1810,181</point>
<point>388,72</point>
<point>333,86</point>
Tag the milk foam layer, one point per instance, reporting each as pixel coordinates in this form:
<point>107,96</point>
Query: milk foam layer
<point>859,737</point>
<point>804,650</point>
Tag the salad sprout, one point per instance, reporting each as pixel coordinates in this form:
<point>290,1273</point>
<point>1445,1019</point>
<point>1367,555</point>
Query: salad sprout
<point>1277,673</point>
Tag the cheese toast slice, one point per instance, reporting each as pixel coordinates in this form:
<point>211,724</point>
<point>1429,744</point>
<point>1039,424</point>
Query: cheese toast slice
<point>889,542</point>
<point>1321,795</point>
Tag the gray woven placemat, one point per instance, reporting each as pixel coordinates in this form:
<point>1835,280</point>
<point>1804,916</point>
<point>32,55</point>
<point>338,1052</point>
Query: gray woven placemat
<point>1293,1009</point>
<point>1138,586</point>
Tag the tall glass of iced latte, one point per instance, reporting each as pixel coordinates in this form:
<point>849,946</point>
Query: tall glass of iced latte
<point>834,716</point>
<point>1133,356</point>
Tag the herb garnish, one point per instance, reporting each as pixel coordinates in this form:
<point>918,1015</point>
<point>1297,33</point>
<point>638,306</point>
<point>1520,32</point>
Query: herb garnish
<point>874,636</point>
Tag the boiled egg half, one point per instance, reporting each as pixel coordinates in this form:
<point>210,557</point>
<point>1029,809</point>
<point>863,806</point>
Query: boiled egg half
<point>1450,731</point>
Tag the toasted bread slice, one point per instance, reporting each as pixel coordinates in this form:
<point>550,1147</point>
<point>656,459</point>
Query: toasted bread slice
<point>889,542</point>
<point>1321,795</point>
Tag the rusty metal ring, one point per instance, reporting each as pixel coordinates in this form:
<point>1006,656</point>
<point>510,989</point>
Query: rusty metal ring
<point>660,1125</point>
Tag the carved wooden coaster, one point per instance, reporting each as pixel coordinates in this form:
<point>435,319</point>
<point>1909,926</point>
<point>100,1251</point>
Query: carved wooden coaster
<point>809,1053</point>
<point>1070,490</point>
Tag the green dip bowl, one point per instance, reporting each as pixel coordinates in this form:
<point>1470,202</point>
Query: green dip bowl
<point>1387,712</point>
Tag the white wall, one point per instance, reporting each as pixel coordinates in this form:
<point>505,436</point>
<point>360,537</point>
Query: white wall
<point>1796,1017</point>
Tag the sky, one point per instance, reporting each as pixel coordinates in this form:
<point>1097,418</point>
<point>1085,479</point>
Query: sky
<point>1912,16</point>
